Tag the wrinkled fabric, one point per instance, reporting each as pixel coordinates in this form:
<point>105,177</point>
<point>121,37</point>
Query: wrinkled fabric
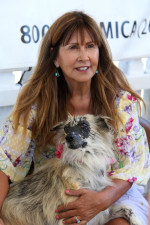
<point>130,145</point>
<point>134,199</point>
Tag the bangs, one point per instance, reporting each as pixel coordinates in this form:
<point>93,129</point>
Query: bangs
<point>80,28</point>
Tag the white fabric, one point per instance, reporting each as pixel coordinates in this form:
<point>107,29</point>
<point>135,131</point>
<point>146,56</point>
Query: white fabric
<point>127,24</point>
<point>135,199</point>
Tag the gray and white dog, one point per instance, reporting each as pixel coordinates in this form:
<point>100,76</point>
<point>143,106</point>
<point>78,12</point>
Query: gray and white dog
<point>87,148</point>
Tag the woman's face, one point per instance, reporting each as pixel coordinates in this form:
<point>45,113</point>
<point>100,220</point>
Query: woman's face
<point>78,60</point>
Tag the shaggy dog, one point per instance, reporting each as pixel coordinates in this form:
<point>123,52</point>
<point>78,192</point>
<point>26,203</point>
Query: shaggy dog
<point>87,150</point>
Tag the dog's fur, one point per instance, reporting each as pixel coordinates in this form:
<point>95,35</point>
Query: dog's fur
<point>87,148</point>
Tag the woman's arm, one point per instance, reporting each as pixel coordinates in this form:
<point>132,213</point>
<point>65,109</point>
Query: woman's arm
<point>113,193</point>
<point>14,155</point>
<point>90,203</point>
<point>4,187</point>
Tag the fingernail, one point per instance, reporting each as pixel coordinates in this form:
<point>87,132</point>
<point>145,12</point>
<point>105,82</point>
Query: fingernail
<point>67,191</point>
<point>57,217</point>
<point>56,210</point>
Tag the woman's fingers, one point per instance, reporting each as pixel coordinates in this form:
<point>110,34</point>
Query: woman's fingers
<point>81,223</point>
<point>85,207</point>
<point>66,215</point>
<point>76,192</point>
<point>71,205</point>
<point>63,208</point>
<point>74,221</point>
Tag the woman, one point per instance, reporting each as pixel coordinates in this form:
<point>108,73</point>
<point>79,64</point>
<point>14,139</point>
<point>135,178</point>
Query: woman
<point>75,75</point>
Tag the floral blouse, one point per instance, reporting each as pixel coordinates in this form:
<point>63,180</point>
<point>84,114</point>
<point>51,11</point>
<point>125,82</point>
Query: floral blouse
<point>130,147</point>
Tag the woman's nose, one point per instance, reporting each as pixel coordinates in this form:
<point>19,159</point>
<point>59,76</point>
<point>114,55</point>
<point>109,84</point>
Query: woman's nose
<point>83,54</point>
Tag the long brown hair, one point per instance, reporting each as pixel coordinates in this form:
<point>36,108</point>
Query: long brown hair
<point>50,93</point>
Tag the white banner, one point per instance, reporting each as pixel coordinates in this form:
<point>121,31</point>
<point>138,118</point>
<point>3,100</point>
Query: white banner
<point>23,23</point>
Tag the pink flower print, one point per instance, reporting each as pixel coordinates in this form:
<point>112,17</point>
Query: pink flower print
<point>122,151</point>
<point>110,173</point>
<point>129,125</point>
<point>133,179</point>
<point>17,161</point>
<point>59,151</point>
<point>112,161</point>
<point>131,97</point>
<point>122,144</point>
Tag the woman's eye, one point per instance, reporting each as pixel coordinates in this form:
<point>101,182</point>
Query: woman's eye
<point>90,46</point>
<point>74,47</point>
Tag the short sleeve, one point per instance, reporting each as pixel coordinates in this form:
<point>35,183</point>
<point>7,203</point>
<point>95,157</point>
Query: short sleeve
<point>16,150</point>
<point>130,145</point>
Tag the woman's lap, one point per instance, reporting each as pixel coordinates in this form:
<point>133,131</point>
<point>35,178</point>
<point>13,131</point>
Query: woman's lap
<point>135,200</point>
<point>118,221</point>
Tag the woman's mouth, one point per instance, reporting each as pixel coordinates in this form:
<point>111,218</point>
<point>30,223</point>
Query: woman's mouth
<point>83,68</point>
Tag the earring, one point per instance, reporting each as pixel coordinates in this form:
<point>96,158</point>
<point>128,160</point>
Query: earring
<point>57,73</point>
<point>96,72</point>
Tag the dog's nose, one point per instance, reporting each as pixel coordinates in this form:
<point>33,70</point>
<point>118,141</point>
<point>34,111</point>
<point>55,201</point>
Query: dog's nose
<point>70,137</point>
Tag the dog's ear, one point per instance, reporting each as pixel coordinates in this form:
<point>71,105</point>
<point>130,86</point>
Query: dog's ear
<point>70,117</point>
<point>57,127</point>
<point>103,122</point>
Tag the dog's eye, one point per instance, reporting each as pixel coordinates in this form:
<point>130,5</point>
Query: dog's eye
<point>84,124</point>
<point>66,129</point>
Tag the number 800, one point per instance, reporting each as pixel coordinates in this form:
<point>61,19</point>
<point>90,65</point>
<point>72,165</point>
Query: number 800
<point>32,34</point>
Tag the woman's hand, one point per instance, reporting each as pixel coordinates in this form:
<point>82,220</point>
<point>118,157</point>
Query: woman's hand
<point>87,206</point>
<point>90,203</point>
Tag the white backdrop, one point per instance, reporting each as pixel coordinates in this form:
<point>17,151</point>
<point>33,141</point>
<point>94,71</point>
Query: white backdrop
<point>126,24</point>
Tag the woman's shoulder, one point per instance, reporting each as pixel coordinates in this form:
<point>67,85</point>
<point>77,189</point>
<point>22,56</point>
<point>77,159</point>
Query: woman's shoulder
<point>125,96</point>
<point>32,115</point>
<point>31,118</point>
<point>125,99</point>
<point>126,104</point>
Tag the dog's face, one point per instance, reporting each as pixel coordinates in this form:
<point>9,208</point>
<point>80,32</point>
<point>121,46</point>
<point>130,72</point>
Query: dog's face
<point>84,137</point>
<point>77,131</point>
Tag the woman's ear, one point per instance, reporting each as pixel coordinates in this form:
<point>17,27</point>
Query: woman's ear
<point>56,63</point>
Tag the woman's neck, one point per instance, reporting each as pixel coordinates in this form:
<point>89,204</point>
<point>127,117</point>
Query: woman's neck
<point>80,108</point>
<point>79,100</point>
